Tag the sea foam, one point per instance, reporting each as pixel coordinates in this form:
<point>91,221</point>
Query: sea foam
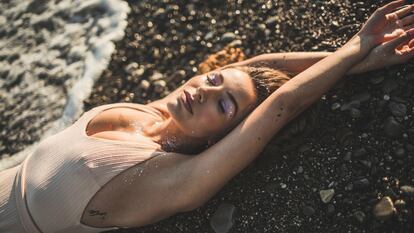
<point>86,31</point>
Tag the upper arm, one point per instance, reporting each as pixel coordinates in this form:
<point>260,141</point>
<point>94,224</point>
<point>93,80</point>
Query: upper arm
<point>207,172</point>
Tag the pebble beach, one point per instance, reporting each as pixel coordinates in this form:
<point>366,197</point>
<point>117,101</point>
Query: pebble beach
<point>345,165</point>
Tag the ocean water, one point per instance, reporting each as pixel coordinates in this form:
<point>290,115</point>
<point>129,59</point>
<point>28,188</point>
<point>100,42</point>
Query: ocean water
<point>51,53</point>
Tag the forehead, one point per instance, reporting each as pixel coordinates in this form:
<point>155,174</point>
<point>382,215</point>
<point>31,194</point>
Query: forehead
<point>240,85</point>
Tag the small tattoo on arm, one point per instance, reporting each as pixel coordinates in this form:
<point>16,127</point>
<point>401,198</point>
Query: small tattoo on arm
<point>102,215</point>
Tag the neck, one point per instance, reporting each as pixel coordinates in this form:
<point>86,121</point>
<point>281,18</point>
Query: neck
<point>169,136</point>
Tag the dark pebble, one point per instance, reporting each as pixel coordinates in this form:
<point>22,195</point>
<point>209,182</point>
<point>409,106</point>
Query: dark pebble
<point>361,184</point>
<point>407,190</point>
<point>223,219</point>
<point>308,211</point>
<point>392,127</point>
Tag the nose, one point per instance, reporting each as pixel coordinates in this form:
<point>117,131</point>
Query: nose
<point>202,93</point>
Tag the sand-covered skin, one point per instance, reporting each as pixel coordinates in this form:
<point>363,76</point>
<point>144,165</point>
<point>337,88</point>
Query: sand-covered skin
<point>360,142</point>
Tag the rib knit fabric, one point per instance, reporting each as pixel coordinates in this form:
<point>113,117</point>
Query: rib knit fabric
<point>50,190</point>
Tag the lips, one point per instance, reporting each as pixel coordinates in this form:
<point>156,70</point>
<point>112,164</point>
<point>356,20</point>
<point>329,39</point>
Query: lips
<point>188,101</point>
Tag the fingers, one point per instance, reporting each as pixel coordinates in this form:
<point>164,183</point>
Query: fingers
<point>400,13</point>
<point>400,41</point>
<point>411,43</point>
<point>391,6</point>
<point>406,20</point>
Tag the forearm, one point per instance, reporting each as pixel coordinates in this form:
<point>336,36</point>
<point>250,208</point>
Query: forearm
<point>291,62</point>
<point>296,62</point>
<point>311,84</point>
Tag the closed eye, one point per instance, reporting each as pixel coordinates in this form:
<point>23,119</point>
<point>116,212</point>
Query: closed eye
<point>214,79</point>
<point>222,106</point>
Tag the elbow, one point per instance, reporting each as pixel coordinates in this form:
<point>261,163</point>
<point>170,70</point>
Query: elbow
<point>290,102</point>
<point>191,203</point>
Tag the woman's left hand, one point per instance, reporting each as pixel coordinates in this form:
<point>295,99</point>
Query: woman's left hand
<point>387,22</point>
<point>397,50</point>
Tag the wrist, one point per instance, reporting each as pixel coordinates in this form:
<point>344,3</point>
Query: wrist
<point>357,47</point>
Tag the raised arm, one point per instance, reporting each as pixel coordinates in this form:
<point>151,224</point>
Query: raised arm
<point>393,50</point>
<point>291,62</point>
<point>203,175</point>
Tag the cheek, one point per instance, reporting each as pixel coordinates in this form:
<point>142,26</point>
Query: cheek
<point>208,123</point>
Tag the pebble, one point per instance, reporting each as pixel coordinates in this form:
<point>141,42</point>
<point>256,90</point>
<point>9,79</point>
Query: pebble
<point>330,209</point>
<point>360,216</point>
<point>308,210</point>
<point>400,204</point>
<point>389,85</point>
<point>131,67</point>
<point>144,84</point>
<point>156,76</point>
<point>223,219</point>
<point>392,127</point>
<point>326,195</point>
<point>398,109</point>
<point>228,37</point>
<point>159,86</point>
<point>335,106</point>
<point>360,152</point>
<point>376,79</point>
<point>384,209</point>
<point>354,113</point>
<point>361,184</point>
<point>271,21</point>
<point>347,156</point>
<point>407,190</point>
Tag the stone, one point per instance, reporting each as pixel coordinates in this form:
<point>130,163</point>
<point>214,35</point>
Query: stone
<point>361,184</point>
<point>131,67</point>
<point>376,79</point>
<point>354,113</point>
<point>335,106</point>
<point>360,152</point>
<point>330,209</point>
<point>271,21</point>
<point>389,85</point>
<point>392,127</point>
<point>144,84</point>
<point>223,219</point>
<point>156,76</point>
<point>407,190</point>
<point>400,204</point>
<point>308,210</point>
<point>159,86</point>
<point>228,37</point>
<point>398,109</point>
<point>326,195</point>
<point>384,209</point>
<point>360,216</point>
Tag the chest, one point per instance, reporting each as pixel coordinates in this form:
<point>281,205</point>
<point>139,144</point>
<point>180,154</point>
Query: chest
<point>120,119</point>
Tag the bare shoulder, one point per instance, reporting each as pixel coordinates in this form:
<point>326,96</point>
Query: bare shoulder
<point>141,195</point>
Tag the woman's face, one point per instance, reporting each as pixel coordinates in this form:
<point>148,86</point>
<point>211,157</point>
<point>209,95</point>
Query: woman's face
<point>210,104</point>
